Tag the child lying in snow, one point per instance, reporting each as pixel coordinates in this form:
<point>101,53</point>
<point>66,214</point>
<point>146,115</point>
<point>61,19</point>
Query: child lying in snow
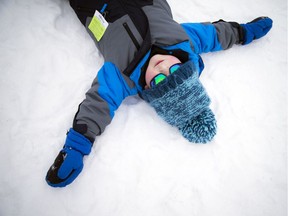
<point>147,53</point>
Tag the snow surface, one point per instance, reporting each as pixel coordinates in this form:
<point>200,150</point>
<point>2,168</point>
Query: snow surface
<point>140,165</point>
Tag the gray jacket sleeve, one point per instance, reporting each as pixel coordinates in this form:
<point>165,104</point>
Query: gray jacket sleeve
<point>107,92</point>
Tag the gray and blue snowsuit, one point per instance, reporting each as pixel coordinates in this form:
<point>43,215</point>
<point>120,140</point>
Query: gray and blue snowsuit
<point>137,30</point>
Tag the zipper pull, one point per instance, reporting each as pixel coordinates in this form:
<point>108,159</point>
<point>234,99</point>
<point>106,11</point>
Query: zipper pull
<point>102,11</point>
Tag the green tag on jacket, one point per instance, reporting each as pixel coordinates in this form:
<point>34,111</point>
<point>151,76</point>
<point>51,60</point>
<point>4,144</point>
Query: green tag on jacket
<point>98,25</point>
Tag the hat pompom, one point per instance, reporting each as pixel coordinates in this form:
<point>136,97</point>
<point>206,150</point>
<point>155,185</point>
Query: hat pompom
<point>200,129</point>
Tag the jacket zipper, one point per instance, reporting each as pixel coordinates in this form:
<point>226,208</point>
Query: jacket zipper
<point>128,30</point>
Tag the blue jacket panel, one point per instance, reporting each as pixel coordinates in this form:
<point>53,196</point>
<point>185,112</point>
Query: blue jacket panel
<point>203,37</point>
<point>112,87</point>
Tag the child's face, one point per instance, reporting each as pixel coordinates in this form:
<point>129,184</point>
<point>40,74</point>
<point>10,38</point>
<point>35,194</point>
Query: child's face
<point>159,64</point>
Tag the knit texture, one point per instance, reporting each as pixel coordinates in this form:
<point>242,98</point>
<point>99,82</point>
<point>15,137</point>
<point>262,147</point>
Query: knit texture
<point>182,101</point>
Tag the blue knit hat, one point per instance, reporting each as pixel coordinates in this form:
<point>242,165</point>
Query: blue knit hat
<point>182,101</point>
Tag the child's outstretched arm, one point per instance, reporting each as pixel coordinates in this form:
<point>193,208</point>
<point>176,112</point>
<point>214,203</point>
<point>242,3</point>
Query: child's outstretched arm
<point>222,35</point>
<point>107,92</point>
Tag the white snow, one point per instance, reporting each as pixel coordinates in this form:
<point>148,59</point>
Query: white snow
<point>140,165</point>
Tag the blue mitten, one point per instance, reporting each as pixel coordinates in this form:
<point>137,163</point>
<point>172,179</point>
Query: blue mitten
<point>256,29</point>
<point>69,162</point>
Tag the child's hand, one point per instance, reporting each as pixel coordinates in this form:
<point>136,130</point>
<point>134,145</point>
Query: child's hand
<point>69,162</point>
<point>256,29</point>
<point>66,167</point>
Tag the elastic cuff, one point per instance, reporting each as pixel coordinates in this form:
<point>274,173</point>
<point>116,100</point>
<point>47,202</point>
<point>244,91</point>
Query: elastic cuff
<point>83,129</point>
<point>78,142</point>
<point>242,34</point>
